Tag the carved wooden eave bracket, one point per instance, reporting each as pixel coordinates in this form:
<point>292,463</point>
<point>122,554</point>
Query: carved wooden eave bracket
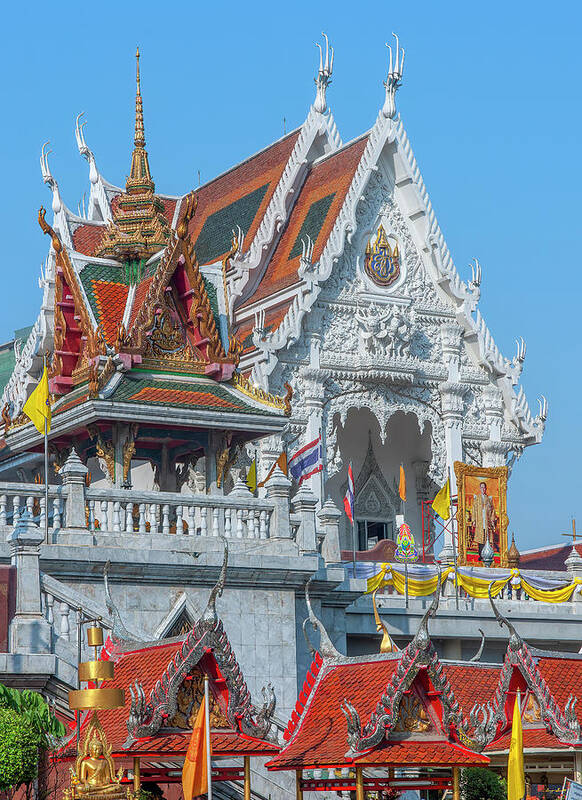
<point>76,342</point>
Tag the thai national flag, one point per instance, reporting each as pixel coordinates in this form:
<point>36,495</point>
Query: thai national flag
<point>349,498</point>
<point>307,461</point>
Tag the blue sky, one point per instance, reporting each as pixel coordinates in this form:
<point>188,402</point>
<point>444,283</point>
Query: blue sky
<point>491,102</point>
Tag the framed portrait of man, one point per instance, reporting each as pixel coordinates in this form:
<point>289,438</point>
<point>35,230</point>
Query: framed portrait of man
<point>481,512</point>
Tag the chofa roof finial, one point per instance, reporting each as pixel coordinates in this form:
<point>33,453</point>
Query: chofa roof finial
<point>326,646</point>
<point>515,640</point>
<point>210,617</point>
<point>422,638</point>
<point>394,78</point>
<point>49,179</point>
<point>323,76</point>
<point>83,148</point>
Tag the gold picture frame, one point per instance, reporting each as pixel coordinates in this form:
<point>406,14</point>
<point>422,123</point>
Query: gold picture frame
<point>493,521</point>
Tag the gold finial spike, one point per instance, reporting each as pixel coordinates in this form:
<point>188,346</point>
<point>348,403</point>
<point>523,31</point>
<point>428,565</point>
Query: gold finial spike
<point>386,645</point>
<point>139,138</point>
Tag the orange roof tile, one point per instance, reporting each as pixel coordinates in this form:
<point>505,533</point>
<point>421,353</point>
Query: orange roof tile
<point>315,212</point>
<point>151,394</point>
<point>110,299</point>
<point>86,238</point>
<point>259,174</point>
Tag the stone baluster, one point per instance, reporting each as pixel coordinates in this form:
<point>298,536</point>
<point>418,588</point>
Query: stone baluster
<point>278,489</point>
<point>65,623</point>
<point>239,523</point>
<point>73,476</point>
<point>49,608</point>
<point>215,521</point>
<point>104,515</point>
<point>154,519</point>
<point>29,630</point>
<point>42,512</point>
<point>165,519</point>
<point>116,516</point>
<point>251,533</point>
<point>203,521</point>
<point>91,519</point>
<point>228,522</point>
<point>15,510</point>
<point>30,505</point>
<point>142,518</point>
<point>57,513</point>
<point>192,519</point>
<point>3,502</point>
<point>263,530</point>
<point>129,517</point>
<point>179,516</point>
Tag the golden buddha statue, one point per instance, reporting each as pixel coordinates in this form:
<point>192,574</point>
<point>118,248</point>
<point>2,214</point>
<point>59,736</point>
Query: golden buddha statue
<point>94,776</point>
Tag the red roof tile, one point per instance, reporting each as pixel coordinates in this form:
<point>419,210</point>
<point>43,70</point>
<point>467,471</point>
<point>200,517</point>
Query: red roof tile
<point>87,237</point>
<point>563,676</point>
<point>427,753</point>
<point>330,178</point>
<point>532,737</point>
<point>472,683</point>
<point>111,299</point>
<point>553,557</point>
<point>151,394</point>
<point>223,742</point>
<point>320,739</point>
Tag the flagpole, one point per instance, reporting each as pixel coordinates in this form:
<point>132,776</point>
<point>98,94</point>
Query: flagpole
<point>46,502</point>
<point>354,541</point>
<point>453,538</point>
<point>208,749</point>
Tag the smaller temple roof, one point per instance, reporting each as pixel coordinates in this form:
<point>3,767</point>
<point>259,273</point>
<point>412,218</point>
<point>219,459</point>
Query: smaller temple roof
<point>410,707</point>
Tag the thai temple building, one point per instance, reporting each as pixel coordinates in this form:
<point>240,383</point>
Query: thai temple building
<point>305,295</point>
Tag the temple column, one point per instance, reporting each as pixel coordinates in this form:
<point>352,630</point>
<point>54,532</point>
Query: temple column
<point>278,489</point>
<point>298,789</point>
<point>247,786</point>
<point>359,783</point>
<point>313,391</point>
<point>578,766</point>
<point>136,775</point>
<point>456,784</point>
<point>452,412</point>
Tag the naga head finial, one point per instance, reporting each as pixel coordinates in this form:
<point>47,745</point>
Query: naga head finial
<point>323,76</point>
<point>326,647</point>
<point>422,638</point>
<point>515,640</point>
<point>393,79</point>
<point>210,616</point>
<point>49,179</point>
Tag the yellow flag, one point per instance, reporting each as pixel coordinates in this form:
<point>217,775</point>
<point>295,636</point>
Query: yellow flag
<point>402,485</point>
<point>515,776</point>
<point>38,406</point>
<point>252,476</point>
<point>195,769</point>
<point>442,502</point>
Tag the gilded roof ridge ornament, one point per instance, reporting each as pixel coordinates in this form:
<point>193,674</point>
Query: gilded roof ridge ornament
<point>139,227</point>
<point>326,647</point>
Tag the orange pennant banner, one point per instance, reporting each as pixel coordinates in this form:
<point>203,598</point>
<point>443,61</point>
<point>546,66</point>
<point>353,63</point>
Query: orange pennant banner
<point>195,770</point>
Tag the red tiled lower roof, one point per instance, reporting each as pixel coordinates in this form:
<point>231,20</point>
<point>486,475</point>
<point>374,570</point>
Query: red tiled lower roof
<point>224,742</point>
<point>426,753</point>
<point>472,683</point>
<point>553,558</point>
<point>563,676</point>
<point>320,738</point>
<point>330,178</point>
<point>532,738</point>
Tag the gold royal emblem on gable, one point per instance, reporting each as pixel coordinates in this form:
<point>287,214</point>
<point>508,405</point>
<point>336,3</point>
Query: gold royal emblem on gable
<point>382,262</point>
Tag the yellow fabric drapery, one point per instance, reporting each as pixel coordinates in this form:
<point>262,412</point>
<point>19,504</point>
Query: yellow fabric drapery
<point>473,585</point>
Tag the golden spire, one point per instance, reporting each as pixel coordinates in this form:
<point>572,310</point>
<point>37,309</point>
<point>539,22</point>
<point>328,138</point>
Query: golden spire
<point>139,137</point>
<point>139,226</point>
